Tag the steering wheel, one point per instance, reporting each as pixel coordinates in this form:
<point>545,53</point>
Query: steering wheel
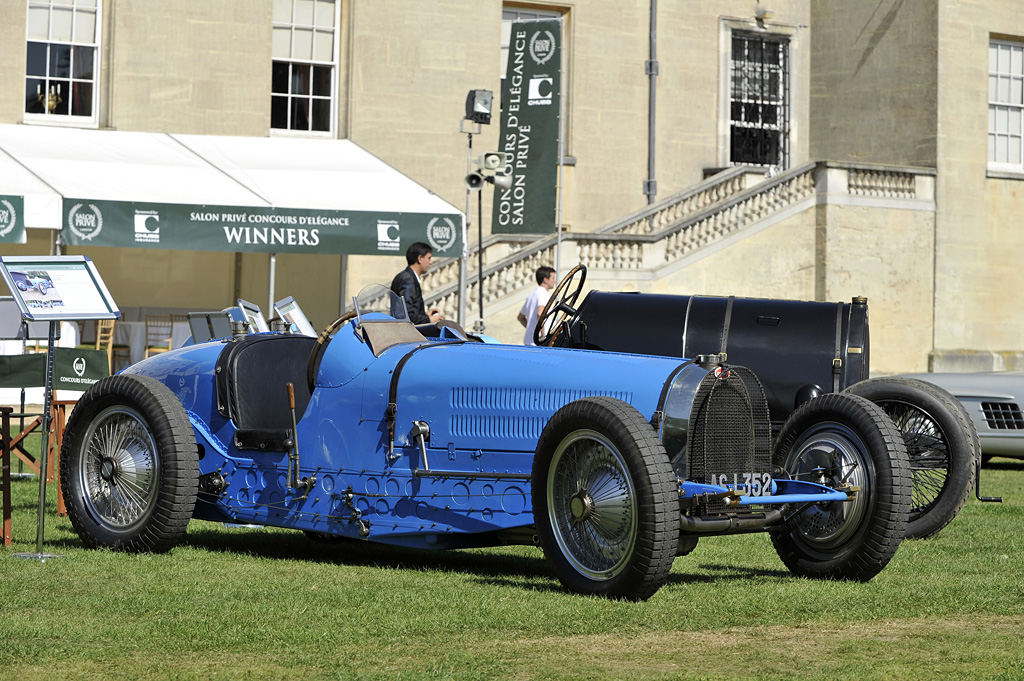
<point>560,306</point>
<point>321,344</point>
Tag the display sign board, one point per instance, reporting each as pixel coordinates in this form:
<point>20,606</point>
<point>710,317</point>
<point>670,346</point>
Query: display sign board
<point>55,288</point>
<point>288,309</point>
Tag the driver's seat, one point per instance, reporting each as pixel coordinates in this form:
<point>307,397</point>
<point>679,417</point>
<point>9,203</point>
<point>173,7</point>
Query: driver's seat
<point>252,375</point>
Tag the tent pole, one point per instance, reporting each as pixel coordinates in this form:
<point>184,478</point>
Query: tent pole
<point>273,273</point>
<point>342,304</point>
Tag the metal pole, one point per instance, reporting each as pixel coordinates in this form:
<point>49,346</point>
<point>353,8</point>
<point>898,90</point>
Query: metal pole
<point>464,260</point>
<point>480,257</point>
<point>273,276</point>
<point>561,157</point>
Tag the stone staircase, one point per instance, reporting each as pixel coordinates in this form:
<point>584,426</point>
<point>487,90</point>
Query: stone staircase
<point>661,237</point>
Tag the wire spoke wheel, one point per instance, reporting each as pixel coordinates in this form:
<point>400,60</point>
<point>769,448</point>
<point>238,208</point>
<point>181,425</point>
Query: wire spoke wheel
<point>942,445</point>
<point>119,473</point>
<point>129,466</point>
<point>592,505</point>
<point>928,450</point>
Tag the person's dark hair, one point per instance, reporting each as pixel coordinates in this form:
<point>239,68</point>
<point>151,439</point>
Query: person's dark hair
<point>415,250</point>
<point>543,273</point>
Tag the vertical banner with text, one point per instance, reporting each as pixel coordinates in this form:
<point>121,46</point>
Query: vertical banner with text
<point>529,129</point>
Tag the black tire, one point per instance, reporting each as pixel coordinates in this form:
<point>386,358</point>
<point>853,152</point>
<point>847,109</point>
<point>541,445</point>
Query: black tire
<point>605,500</point>
<point>129,466</point>
<point>942,444</point>
<point>838,440</point>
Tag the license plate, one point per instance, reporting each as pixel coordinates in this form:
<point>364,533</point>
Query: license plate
<point>747,484</point>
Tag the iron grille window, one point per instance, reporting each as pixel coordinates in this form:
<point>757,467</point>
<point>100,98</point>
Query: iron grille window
<point>1003,415</point>
<point>304,66</point>
<point>759,112</point>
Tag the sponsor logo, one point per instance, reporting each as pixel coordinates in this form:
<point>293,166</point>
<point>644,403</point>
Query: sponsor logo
<point>79,366</point>
<point>85,223</point>
<point>441,234</point>
<point>147,226</point>
<point>540,91</point>
<point>542,47</point>
<point>388,238</point>
<point>8,218</point>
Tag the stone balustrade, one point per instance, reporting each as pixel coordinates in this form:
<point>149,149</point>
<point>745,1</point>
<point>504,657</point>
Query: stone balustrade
<point>663,232</point>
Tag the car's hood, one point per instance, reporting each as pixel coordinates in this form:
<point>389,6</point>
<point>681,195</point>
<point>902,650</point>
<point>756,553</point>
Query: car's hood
<point>997,385</point>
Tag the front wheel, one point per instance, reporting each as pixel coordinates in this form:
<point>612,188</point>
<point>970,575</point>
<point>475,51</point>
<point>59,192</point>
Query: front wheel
<point>605,500</point>
<point>129,466</point>
<point>841,440</point>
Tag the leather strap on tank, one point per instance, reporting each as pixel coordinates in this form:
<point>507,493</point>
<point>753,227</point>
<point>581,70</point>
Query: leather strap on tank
<point>726,323</point>
<point>837,358</point>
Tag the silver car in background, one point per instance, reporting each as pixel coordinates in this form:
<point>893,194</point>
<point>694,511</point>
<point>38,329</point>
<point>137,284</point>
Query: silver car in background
<point>993,400</point>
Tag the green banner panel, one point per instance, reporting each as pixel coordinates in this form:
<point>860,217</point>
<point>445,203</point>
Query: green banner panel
<point>529,129</point>
<point>12,219</point>
<point>130,224</point>
<point>73,369</point>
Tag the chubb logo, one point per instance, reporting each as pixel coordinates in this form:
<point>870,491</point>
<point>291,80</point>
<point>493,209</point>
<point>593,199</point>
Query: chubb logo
<point>85,223</point>
<point>388,238</point>
<point>441,234</point>
<point>541,89</point>
<point>542,47</point>
<point>147,226</point>
<point>8,218</point>
<point>79,366</point>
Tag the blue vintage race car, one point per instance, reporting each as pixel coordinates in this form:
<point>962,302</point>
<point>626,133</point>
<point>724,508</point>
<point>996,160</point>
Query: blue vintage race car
<point>614,464</point>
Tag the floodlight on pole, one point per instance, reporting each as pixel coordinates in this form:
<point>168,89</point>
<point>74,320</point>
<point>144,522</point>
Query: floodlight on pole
<point>478,112</point>
<point>478,106</point>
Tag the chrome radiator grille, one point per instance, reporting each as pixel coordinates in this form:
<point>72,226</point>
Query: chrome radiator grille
<point>730,434</point>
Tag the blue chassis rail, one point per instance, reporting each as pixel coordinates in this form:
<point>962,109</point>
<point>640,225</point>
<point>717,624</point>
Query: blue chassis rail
<point>783,491</point>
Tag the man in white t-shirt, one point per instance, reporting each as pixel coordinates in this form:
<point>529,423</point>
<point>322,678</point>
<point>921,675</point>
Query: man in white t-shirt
<point>536,301</point>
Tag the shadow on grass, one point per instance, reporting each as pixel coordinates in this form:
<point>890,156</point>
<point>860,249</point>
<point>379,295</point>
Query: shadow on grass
<point>1002,464</point>
<point>351,552</point>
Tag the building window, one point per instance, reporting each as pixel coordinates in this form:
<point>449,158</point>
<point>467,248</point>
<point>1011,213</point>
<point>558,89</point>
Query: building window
<point>1006,104</point>
<point>304,77</point>
<point>61,64</point>
<point>759,100</point>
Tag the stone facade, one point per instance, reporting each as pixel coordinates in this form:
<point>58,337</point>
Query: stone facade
<point>897,83</point>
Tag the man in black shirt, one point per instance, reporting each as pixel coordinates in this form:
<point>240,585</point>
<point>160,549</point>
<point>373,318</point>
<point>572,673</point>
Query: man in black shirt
<point>406,283</point>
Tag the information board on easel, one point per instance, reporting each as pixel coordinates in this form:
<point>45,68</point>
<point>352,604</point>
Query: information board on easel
<point>54,289</point>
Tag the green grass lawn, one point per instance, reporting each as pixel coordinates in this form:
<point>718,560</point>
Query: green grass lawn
<point>271,604</point>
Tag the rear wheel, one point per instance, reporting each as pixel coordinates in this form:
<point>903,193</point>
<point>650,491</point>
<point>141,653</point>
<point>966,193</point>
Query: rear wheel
<point>841,440</point>
<point>942,444</point>
<point>129,466</point>
<point>605,500</point>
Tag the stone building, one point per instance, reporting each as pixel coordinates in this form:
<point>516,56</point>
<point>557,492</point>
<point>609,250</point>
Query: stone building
<point>810,149</point>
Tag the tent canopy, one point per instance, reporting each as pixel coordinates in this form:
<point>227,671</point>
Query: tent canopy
<point>197,192</point>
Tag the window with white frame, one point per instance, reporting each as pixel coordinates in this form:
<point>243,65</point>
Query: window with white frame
<point>759,100</point>
<point>305,64</point>
<point>62,61</point>
<point>1006,104</point>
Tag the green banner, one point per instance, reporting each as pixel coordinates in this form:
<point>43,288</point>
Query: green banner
<point>73,369</point>
<point>12,219</point>
<point>529,129</point>
<point>129,224</point>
